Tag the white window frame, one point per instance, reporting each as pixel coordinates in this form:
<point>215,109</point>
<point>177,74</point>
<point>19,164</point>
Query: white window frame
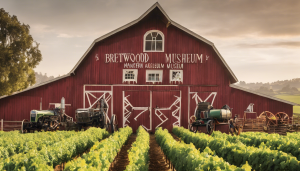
<point>160,72</point>
<point>135,71</point>
<point>163,41</point>
<point>171,74</point>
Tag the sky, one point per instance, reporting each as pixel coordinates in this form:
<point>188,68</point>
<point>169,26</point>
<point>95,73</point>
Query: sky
<point>259,40</point>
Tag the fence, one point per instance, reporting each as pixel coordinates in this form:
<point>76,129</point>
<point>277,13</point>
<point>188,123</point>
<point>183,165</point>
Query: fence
<point>11,125</point>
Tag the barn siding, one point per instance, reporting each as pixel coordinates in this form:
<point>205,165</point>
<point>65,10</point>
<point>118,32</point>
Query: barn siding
<point>209,76</point>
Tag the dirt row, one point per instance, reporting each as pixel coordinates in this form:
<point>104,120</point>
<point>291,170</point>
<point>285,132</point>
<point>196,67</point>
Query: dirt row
<point>121,160</point>
<point>157,157</point>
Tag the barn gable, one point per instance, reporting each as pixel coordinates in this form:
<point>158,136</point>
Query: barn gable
<point>157,10</point>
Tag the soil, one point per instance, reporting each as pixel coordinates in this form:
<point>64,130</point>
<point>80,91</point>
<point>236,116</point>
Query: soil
<point>121,160</point>
<point>157,157</point>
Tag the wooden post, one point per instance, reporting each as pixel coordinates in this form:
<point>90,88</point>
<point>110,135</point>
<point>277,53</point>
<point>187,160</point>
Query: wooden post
<point>1,124</point>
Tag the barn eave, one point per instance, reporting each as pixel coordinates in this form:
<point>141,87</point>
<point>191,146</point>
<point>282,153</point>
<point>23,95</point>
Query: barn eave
<point>38,85</point>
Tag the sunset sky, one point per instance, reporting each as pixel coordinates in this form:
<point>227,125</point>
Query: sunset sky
<point>260,40</point>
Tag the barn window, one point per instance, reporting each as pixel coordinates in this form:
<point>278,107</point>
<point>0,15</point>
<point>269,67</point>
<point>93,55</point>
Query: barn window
<point>176,75</point>
<point>130,75</point>
<point>154,41</point>
<point>154,75</point>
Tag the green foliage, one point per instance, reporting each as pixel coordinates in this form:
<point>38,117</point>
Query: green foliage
<point>102,153</point>
<point>237,153</point>
<point>19,54</point>
<point>187,157</point>
<point>287,144</point>
<point>13,142</point>
<point>44,154</point>
<point>138,154</point>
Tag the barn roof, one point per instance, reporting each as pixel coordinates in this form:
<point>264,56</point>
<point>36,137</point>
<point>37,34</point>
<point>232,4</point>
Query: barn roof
<point>233,78</point>
<point>263,95</point>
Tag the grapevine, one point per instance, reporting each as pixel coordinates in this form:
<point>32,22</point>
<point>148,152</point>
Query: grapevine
<point>237,153</point>
<point>187,157</point>
<point>138,154</point>
<point>102,154</point>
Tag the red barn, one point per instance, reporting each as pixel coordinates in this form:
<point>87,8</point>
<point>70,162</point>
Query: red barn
<point>151,72</point>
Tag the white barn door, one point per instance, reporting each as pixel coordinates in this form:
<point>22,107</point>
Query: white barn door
<point>93,93</point>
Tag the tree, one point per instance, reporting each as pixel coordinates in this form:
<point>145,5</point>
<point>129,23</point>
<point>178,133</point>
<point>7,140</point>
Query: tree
<point>19,54</point>
<point>265,90</point>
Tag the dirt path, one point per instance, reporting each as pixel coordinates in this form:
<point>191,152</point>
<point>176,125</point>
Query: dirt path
<point>121,161</point>
<point>157,157</point>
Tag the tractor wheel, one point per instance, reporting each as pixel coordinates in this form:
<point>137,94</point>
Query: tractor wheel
<point>95,123</point>
<point>210,126</point>
<point>282,117</point>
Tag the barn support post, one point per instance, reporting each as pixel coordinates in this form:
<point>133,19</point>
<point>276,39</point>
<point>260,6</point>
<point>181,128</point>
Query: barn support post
<point>123,108</point>
<point>83,96</point>
<point>189,90</point>
<point>112,100</point>
<point>180,110</point>
<point>1,124</point>
<point>151,111</point>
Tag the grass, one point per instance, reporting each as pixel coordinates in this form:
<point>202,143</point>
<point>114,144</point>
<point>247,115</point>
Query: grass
<point>291,98</point>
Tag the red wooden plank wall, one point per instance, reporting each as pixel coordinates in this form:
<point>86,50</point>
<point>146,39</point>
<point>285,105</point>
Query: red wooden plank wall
<point>209,76</point>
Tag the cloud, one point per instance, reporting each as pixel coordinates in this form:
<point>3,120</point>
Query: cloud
<point>284,44</point>
<point>63,35</point>
<point>232,18</point>
<point>40,30</point>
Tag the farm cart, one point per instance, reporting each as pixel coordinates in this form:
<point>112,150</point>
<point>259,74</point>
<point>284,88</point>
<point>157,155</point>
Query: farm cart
<point>206,116</point>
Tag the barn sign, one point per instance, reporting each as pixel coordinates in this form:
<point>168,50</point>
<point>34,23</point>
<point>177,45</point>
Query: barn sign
<point>140,60</point>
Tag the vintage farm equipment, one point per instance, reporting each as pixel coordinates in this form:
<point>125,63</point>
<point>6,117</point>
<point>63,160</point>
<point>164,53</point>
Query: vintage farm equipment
<point>268,122</point>
<point>277,119</point>
<point>96,117</point>
<point>206,116</point>
<point>56,118</point>
<point>48,120</point>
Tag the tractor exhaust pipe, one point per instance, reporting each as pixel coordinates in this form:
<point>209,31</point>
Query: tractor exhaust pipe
<point>62,106</point>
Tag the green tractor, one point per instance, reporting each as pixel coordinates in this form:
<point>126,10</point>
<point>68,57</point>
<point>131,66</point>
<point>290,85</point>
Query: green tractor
<point>36,114</point>
<point>207,116</point>
<point>48,120</point>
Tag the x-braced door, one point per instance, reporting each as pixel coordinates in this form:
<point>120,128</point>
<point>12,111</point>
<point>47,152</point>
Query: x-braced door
<point>151,109</point>
<point>167,109</point>
<point>137,109</point>
<point>92,96</point>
